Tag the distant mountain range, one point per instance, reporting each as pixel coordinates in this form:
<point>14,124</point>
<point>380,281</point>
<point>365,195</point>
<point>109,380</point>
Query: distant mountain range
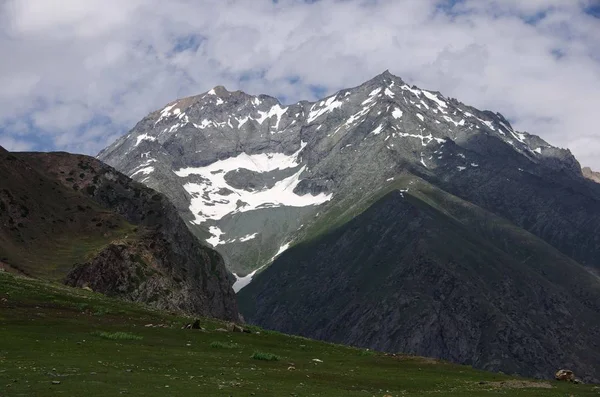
<point>72,219</point>
<point>392,217</point>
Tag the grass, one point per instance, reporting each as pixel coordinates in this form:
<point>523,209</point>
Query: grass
<point>117,335</point>
<point>45,336</point>
<point>265,356</point>
<point>223,345</point>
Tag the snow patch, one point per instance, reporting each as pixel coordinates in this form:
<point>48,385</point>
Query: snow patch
<point>248,237</point>
<point>397,113</point>
<point>435,99</point>
<point>420,116</point>
<point>274,111</point>
<point>216,236</point>
<point>145,171</point>
<point>207,203</point>
<point>280,251</point>
<point>323,107</point>
<point>241,282</point>
<point>144,137</point>
<point>414,91</point>
<point>377,130</point>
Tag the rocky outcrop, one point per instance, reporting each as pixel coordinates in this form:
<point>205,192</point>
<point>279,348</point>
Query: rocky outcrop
<point>591,175</point>
<point>149,271</point>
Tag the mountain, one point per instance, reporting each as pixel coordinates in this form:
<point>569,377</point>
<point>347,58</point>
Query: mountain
<point>73,219</point>
<point>386,193</point>
<point>427,273</point>
<point>249,175</point>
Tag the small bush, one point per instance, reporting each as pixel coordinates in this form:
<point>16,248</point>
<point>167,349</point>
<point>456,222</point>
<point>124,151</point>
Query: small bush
<point>117,335</point>
<point>224,345</point>
<point>265,356</point>
<point>366,353</point>
<point>101,311</point>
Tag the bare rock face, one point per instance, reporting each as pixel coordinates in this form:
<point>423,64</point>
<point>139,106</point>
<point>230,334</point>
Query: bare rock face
<point>143,271</point>
<point>591,175</point>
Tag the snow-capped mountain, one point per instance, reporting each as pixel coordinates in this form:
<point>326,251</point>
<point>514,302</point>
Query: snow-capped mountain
<point>252,176</point>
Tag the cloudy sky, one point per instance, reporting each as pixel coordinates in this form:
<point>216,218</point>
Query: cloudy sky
<point>77,74</point>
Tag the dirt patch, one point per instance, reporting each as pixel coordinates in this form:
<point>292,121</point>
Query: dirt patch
<point>517,384</point>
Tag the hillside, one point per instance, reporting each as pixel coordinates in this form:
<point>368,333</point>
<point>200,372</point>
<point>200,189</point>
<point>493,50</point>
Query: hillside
<point>106,347</point>
<point>72,219</point>
<point>423,272</point>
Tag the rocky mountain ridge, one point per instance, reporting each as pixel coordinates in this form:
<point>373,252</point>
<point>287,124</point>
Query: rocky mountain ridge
<point>249,174</point>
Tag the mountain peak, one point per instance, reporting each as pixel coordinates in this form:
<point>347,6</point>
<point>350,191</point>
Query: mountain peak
<point>219,91</point>
<point>386,77</point>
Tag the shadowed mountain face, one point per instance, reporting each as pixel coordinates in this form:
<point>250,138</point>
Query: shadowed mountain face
<point>71,218</point>
<point>506,219</point>
<point>429,274</point>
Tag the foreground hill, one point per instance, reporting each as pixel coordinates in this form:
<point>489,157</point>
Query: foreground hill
<point>105,347</point>
<point>73,219</point>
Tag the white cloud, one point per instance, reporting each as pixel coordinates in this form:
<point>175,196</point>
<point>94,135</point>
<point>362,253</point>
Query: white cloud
<point>72,62</point>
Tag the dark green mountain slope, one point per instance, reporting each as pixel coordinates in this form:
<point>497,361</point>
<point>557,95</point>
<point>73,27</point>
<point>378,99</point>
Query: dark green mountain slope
<point>424,272</point>
<point>71,218</point>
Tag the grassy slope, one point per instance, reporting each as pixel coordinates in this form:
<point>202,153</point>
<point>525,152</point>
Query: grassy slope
<point>43,222</point>
<point>51,333</point>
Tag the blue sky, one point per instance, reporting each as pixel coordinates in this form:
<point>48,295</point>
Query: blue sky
<point>79,74</point>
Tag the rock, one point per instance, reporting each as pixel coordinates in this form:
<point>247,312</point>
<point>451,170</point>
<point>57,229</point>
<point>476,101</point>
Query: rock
<point>221,330</point>
<point>317,360</point>
<point>565,375</point>
<point>87,288</point>
<point>187,326</point>
<point>232,327</point>
<point>291,368</point>
<point>196,325</point>
<point>56,382</point>
<point>578,381</point>
<point>149,325</point>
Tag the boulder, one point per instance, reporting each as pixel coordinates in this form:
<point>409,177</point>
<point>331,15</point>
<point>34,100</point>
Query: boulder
<point>565,375</point>
<point>232,327</point>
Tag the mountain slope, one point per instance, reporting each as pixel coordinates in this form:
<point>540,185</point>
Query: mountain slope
<point>71,218</point>
<point>250,175</point>
<point>423,272</point>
